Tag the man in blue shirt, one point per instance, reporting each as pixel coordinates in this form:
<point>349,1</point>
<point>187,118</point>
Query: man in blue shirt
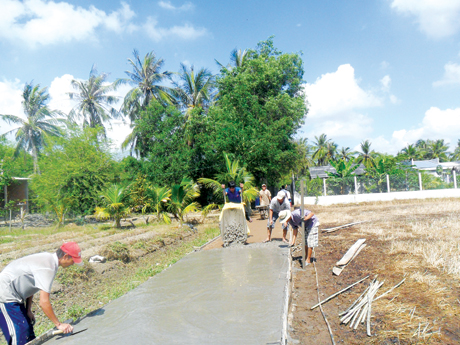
<point>235,194</point>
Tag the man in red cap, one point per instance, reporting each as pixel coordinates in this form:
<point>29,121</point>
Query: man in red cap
<point>20,280</point>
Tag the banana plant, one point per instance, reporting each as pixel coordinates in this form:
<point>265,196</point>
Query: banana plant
<point>114,208</point>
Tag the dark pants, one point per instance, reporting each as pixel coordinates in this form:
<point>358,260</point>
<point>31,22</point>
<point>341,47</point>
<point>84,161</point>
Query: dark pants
<point>15,324</point>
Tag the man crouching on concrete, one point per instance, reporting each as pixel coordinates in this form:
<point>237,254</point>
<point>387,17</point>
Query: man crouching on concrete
<point>20,280</point>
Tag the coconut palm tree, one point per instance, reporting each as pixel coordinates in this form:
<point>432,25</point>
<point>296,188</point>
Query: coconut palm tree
<point>456,154</point>
<point>93,100</point>
<point>158,197</point>
<point>194,88</point>
<point>145,78</point>
<point>438,149</point>
<point>410,152</point>
<point>346,154</point>
<point>234,172</point>
<point>325,150</point>
<point>182,199</point>
<point>114,208</point>
<point>366,156</point>
<point>40,122</point>
<point>237,59</point>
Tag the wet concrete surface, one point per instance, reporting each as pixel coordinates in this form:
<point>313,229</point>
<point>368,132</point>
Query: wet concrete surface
<point>221,296</point>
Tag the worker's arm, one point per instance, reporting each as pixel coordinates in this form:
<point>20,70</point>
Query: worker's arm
<point>45,304</point>
<point>29,309</point>
<point>311,214</point>
<point>271,216</point>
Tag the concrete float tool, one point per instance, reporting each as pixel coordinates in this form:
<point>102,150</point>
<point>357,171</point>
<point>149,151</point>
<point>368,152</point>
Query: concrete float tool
<point>49,334</point>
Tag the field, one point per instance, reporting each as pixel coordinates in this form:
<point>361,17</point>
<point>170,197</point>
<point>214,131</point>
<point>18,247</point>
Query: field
<point>416,239</point>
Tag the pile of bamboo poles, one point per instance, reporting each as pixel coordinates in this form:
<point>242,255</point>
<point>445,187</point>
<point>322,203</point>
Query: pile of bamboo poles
<point>361,309</point>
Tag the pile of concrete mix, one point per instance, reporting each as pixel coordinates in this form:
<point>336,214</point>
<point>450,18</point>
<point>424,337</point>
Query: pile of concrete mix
<point>233,227</point>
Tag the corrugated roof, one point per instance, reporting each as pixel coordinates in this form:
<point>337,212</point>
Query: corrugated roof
<point>321,172</point>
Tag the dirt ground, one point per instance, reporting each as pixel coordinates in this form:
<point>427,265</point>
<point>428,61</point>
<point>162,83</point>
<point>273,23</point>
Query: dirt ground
<point>427,301</point>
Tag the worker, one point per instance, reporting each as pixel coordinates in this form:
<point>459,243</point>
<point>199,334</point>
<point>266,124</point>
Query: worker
<point>20,280</point>
<point>311,224</point>
<point>235,194</point>
<point>277,205</point>
<point>265,196</point>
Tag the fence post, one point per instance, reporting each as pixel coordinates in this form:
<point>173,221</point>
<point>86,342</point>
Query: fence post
<point>324,186</point>
<point>302,225</point>
<point>388,183</point>
<point>420,180</point>
<point>356,185</point>
<point>454,174</point>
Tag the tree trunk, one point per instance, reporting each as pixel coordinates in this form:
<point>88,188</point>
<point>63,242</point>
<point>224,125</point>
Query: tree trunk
<point>35,156</point>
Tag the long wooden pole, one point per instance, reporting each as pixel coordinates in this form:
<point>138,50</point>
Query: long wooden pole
<point>302,225</point>
<point>338,293</point>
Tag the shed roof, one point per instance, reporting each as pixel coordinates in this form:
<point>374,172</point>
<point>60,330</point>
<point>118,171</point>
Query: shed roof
<point>321,172</point>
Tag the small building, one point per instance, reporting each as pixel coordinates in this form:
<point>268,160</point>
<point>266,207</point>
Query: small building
<point>18,191</point>
<point>434,167</point>
<point>322,171</point>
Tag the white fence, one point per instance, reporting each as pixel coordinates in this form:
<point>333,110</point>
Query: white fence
<point>356,198</point>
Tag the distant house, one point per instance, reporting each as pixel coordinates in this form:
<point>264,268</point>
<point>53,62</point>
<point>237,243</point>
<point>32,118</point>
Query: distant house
<point>433,166</point>
<point>18,191</point>
<point>321,172</point>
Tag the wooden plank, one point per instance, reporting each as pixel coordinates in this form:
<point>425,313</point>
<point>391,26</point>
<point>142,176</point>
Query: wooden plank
<point>342,226</point>
<point>338,270</point>
<point>351,252</point>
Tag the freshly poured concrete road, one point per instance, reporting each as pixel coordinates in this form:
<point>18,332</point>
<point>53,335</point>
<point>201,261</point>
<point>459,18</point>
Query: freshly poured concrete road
<point>221,296</point>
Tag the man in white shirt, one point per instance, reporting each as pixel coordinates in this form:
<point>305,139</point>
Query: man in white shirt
<point>277,205</point>
<point>20,280</point>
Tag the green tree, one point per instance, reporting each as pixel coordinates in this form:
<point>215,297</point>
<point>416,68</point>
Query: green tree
<point>324,150</point>
<point>114,206</point>
<point>438,149</point>
<point>88,169</point>
<point>410,152</point>
<point>261,105</point>
<point>94,103</point>
<point>182,199</point>
<point>366,155</point>
<point>234,172</point>
<point>146,79</point>
<point>346,154</point>
<point>158,198</point>
<point>456,154</point>
<point>344,173</point>
<point>40,122</point>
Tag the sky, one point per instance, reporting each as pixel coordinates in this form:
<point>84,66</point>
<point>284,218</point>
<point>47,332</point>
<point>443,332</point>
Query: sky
<point>387,71</point>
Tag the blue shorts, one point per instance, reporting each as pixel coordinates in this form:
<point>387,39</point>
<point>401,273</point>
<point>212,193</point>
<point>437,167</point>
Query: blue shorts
<point>15,324</point>
<point>275,217</point>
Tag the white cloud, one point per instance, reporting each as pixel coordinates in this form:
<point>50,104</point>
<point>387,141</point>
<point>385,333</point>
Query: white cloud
<point>451,75</point>
<point>386,84</point>
<point>40,22</point>
<point>436,124</point>
<point>336,102</point>
<point>186,31</point>
<point>10,102</point>
<point>384,65</point>
<point>436,18</point>
<point>169,6</point>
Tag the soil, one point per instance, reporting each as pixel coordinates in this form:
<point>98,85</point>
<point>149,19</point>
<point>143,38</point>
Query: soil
<point>390,315</point>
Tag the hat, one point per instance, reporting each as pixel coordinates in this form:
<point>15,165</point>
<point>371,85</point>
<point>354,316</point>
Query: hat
<point>284,216</point>
<point>281,195</point>
<point>74,251</point>
<point>264,185</point>
<point>231,184</point>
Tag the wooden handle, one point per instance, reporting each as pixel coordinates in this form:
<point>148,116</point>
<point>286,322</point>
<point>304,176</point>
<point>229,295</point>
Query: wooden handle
<point>57,332</point>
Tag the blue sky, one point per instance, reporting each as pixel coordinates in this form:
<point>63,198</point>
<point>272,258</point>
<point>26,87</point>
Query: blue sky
<point>383,70</point>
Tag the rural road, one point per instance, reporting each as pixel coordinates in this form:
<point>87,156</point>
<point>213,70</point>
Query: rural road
<point>220,296</point>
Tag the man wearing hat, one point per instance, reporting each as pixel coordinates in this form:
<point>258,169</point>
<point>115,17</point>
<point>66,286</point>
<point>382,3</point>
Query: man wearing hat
<point>311,224</point>
<point>20,280</point>
<point>265,196</point>
<point>277,205</point>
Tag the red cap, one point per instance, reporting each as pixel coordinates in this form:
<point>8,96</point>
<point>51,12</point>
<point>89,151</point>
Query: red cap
<point>73,250</point>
